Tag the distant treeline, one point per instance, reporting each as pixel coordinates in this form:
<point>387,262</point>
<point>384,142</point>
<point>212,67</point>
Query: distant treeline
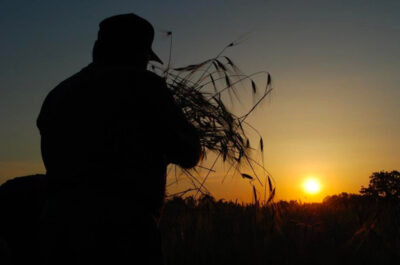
<point>343,229</point>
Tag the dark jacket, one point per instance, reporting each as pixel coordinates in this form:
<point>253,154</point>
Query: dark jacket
<point>116,126</point>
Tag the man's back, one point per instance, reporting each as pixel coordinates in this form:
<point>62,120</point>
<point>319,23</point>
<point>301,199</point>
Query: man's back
<point>111,124</point>
<point>108,134</point>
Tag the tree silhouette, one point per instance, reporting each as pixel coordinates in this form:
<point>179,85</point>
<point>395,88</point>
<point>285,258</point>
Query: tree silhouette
<point>383,184</point>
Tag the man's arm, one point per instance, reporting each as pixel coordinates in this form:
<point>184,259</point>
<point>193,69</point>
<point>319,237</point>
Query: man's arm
<point>182,141</point>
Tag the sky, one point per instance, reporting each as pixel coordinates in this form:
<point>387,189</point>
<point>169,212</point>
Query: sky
<point>333,114</point>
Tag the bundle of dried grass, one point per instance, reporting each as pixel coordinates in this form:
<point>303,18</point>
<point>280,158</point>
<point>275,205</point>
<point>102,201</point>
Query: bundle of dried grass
<point>200,90</point>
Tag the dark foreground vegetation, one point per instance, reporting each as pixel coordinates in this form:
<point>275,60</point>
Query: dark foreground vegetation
<point>343,229</point>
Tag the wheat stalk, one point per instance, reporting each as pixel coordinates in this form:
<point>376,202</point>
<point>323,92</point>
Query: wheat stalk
<point>198,90</point>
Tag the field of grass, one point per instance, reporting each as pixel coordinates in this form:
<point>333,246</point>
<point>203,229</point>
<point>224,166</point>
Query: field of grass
<point>344,229</point>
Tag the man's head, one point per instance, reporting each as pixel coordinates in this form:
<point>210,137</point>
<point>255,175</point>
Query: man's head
<point>125,39</point>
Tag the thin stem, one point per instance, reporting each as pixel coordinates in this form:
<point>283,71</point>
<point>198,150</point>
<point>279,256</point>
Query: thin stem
<point>205,178</point>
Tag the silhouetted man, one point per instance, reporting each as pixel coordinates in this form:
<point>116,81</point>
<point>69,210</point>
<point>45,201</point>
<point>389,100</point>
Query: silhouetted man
<point>107,136</point>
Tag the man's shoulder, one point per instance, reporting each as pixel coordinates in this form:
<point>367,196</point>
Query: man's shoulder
<point>94,78</point>
<point>62,94</point>
<point>127,73</point>
<point>75,80</point>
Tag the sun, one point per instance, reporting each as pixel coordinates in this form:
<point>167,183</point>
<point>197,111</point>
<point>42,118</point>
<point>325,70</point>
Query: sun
<point>311,186</point>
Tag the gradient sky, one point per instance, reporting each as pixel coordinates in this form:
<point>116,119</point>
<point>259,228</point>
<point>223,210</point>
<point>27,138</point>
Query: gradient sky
<point>334,113</point>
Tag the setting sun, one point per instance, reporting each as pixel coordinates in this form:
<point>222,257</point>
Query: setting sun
<point>311,186</point>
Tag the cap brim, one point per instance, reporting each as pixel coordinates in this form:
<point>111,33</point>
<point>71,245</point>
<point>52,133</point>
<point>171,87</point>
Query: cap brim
<point>154,57</point>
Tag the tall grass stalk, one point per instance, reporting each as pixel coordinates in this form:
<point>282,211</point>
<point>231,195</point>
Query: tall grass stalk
<point>200,90</point>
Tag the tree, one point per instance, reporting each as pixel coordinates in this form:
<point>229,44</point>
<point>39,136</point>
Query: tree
<point>383,184</point>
